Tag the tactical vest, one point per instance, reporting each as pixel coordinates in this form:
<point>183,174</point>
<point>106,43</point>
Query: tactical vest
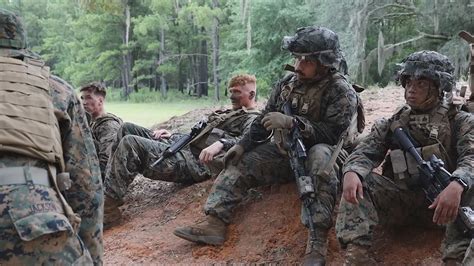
<point>307,102</point>
<point>432,133</point>
<point>215,129</point>
<point>28,125</point>
<point>99,121</point>
<point>94,125</point>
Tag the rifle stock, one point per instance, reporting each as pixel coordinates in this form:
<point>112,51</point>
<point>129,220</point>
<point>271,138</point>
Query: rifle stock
<point>434,178</point>
<point>181,143</point>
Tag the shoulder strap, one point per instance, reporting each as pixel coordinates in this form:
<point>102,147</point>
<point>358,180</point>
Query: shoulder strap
<point>104,119</point>
<point>215,123</point>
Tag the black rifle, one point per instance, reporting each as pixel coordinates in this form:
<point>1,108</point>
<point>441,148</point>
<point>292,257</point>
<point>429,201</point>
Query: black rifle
<point>304,182</point>
<point>434,178</point>
<point>181,143</point>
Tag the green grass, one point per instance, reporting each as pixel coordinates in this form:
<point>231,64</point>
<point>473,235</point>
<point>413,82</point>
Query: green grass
<point>148,114</point>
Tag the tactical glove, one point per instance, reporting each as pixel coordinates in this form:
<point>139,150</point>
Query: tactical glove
<point>274,120</point>
<point>233,155</point>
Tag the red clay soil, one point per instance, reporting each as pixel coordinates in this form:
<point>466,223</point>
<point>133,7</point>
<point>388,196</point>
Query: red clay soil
<point>266,227</point>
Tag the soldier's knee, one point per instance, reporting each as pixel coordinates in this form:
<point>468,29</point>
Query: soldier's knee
<point>125,129</point>
<point>320,153</point>
<point>128,142</point>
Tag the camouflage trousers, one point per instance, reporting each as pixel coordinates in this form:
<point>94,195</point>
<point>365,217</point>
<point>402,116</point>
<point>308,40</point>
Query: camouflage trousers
<point>34,230</point>
<point>265,165</point>
<point>135,151</point>
<point>388,203</point>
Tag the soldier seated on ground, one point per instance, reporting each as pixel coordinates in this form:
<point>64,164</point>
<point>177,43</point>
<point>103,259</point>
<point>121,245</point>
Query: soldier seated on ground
<point>323,104</point>
<point>396,197</point>
<point>104,125</point>
<point>137,148</point>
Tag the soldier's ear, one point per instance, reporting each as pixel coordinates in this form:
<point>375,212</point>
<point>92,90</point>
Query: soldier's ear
<point>252,95</point>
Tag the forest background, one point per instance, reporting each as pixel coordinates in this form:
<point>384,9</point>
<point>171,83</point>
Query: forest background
<point>149,51</point>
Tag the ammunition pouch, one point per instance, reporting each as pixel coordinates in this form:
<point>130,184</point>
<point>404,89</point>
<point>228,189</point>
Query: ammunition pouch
<point>405,168</point>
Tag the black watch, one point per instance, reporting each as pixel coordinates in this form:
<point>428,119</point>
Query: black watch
<point>460,182</point>
<point>227,144</point>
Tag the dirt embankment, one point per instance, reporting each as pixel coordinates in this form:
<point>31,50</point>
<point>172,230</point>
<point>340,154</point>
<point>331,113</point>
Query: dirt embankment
<point>266,227</point>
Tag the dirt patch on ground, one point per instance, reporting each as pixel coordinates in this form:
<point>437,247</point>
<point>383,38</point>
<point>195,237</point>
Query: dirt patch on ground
<point>266,227</point>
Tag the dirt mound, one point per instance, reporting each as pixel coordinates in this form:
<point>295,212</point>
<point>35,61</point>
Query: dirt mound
<point>266,227</point>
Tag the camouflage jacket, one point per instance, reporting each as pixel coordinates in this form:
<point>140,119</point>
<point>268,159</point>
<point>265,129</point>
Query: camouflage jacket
<point>459,144</point>
<point>225,124</point>
<point>325,108</point>
<point>86,193</point>
<point>104,129</point>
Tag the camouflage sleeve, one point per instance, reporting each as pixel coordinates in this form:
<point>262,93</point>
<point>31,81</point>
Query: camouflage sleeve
<point>339,108</point>
<point>371,150</point>
<point>464,134</point>
<point>247,122</point>
<point>256,130</point>
<point>86,194</point>
<point>244,125</point>
<point>106,134</point>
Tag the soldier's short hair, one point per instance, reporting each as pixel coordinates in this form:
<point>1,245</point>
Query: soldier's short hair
<point>242,79</point>
<point>98,88</point>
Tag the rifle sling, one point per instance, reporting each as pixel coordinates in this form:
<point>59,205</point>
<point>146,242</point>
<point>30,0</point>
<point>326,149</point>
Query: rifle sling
<point>217,122</point>
<point>326,171</point>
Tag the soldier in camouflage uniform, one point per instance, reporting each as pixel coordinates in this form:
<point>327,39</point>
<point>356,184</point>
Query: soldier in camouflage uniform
<point>323,104</point>
<point>44,142</point>
<point>395,197</point>
<point>136,148</point>
<point>104,125</point>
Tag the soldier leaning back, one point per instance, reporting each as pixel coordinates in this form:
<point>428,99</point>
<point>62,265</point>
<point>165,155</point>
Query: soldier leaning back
<point>136,148</point>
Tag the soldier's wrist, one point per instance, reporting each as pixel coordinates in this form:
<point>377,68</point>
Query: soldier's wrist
<point>226,144</point>
<point>460,182</point>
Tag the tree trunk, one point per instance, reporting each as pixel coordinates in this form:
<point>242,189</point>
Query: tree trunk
<point>435,17</point>
<point>203,70</point>
<point>162,76</point>
<point>126,57</point>
<point>359,26</point>
<point>193,75</point>
<point>215,51</point>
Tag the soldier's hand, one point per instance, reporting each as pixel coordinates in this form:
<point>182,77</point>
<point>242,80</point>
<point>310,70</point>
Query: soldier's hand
<point>274,120</point>
<point>161,134</point>
<point>233,155</point>
<point>207,155</point>
<point>446,205</point>
<point>352,188</point>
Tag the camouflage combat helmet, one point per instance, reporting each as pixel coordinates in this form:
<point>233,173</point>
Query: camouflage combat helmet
<point>13,41</point>
<point>430,65</point>
<point>317,43</point>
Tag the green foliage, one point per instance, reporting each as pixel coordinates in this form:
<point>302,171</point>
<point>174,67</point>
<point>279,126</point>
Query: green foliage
<point>85,40</point>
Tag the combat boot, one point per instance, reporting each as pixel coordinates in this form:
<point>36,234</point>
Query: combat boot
<point>358,255</point>
<point>211,231</point>
<point>316,251</point>
<point>112,214</point>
